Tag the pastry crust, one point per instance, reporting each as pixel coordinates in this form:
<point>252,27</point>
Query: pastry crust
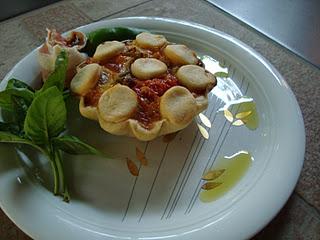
<point>88,111</point>
<point>149,91</point>
<point>142,133</point>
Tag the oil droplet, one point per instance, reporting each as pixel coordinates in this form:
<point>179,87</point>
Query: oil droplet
<point>235,168</point>
<point>221,74</point>
<point>243,114</point>
<point>246,111</point>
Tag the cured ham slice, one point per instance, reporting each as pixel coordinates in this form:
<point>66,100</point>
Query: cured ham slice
<point>55,43</point>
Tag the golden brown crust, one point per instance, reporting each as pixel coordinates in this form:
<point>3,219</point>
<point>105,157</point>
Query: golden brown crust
<point>88,111</point>
<point>142,133</point>
<point>120,128</point>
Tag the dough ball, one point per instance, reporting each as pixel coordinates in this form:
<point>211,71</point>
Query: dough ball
<point>178,106</point>
<point>195,77</point>
<point>117,104</point>
<point>148,68</point>
<point>108,50</point>
<point>86,78</point>
<point>150,41</point>
<point>180,54</point>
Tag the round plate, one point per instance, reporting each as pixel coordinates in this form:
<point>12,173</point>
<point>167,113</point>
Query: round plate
<point>163,201</point>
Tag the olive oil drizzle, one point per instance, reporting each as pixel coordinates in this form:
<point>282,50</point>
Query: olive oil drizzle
<point>233,168</point>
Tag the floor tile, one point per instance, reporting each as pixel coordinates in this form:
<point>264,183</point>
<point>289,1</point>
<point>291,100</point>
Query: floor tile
<point>62,17</point>
<point>97,9</point>
<point>297,220</point>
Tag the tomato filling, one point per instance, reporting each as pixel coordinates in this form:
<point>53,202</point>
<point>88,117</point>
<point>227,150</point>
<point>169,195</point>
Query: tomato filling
<point>93,96</point>
<point>116,63</point>
<point>149,93</point>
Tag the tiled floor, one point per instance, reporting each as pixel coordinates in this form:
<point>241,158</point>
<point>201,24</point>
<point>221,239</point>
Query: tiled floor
<point>62,17</point>
<point>300,218</point>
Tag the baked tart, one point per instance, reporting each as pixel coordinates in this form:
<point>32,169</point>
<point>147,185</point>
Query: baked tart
<point>146,87</point>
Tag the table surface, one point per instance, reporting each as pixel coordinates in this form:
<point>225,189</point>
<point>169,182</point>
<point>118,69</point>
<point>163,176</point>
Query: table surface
<point>300,218</point>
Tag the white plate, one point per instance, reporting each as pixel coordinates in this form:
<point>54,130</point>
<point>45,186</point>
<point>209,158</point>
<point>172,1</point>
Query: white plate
<point>162,203</point>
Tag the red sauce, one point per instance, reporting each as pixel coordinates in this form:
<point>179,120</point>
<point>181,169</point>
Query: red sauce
<point>149,93</point>
<point>92,97</point>
<point>148,111</point>
<point>116,63</point>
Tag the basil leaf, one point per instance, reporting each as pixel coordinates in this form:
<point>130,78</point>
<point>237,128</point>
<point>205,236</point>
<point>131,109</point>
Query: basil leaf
<point>6,97</point>
<point>6,137</point>
<point>9,127</point>
<point>20,108</point>
<point>73,145</point>
<point>101,35</point>
<point>66,94</point>
<point>15,83</point>
<point>61,175</point>
<point>16,88</point>
<point>46,116</point>
<point>57,78</point>
<point>15,100</point>
<point>5,101</point>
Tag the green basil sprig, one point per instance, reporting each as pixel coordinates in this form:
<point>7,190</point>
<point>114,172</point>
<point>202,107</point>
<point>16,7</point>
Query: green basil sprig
<point>101,35</point>
<point>38,118</point>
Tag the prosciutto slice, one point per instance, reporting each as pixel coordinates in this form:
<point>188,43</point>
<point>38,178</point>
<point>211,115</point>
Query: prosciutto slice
<point>54,44</point>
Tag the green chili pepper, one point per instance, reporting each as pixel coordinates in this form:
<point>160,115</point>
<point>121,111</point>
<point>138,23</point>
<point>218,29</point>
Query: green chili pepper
<point>108,34</point>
